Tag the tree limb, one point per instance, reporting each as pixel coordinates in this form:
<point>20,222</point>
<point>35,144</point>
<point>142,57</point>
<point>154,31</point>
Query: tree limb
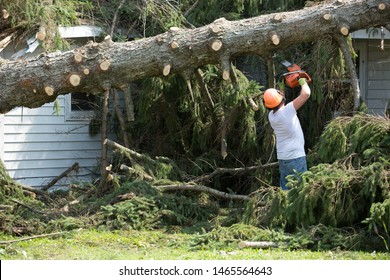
<point>117,146</point>
<point>201,188</point>
<point>34,237</point>
<point>28,207</point>
<point>352,70</point>
<point>258,244</point>
<point>75,166</point>
<point>235,171</point>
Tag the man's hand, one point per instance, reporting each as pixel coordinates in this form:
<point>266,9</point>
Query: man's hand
<point>302,81</point>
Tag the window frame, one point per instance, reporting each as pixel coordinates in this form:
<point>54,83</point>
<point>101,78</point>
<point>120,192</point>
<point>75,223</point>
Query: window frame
<point>76,115</point>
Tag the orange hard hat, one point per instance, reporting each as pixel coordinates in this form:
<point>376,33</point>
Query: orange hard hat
<point>272,98</point>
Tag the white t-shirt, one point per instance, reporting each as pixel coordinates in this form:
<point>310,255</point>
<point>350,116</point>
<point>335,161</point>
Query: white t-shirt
<point>290,143</point>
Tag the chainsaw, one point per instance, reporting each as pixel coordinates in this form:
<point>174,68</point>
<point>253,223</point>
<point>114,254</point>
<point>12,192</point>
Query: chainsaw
<point>291,78</point>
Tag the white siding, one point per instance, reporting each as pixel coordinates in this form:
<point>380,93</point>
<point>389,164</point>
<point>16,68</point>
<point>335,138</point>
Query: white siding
<point>378,78</point>
<point>374,68</point>
<point>38,145</point>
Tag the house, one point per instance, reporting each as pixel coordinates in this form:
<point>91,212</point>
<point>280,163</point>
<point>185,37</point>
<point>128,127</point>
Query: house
<point>37,145</point>
<point>373,64</point>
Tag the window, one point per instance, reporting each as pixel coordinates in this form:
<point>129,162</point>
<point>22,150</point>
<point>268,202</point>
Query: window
<point>80,106</point>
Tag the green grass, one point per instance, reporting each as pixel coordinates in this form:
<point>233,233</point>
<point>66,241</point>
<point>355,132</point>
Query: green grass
<point>155,245</point>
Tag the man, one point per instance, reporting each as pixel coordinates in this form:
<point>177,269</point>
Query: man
<point>290,143</point>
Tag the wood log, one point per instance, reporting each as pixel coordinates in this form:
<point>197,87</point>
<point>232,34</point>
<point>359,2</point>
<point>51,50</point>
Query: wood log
<point>34,237</point>
<point>123,60</point>
<point>257,244</point>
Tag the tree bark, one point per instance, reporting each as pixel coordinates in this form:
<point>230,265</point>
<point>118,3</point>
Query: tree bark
<point>113,65</point>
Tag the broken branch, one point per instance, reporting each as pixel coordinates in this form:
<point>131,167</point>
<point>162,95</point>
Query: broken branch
<point>200,188</point>
<point>35,236</point>
<point>236,171</point>
<point>75,166</point>
<point>257,244</point>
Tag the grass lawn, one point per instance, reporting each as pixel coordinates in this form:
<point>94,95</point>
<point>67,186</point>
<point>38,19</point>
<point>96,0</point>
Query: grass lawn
<point>155,245</point>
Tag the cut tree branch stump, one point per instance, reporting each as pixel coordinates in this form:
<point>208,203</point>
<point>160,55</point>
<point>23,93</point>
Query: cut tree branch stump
<point>74,80</point>
<point>41,34</point>
<point>5,14</point>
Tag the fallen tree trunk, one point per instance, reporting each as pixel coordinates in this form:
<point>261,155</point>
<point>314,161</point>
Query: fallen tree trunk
<point>95,67</point>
